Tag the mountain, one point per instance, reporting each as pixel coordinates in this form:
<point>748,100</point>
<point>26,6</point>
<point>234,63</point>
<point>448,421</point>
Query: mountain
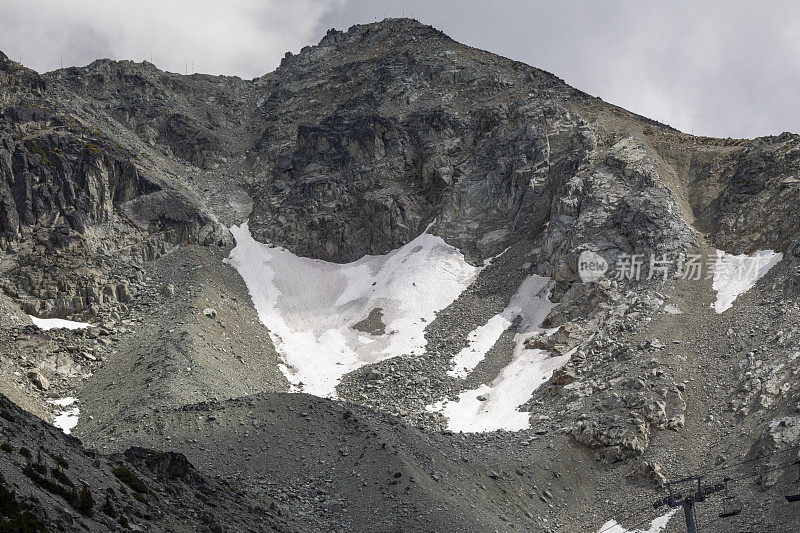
<point>398,284</point>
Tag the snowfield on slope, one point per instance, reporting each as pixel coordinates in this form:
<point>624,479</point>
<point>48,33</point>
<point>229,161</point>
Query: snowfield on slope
<point>736,274</point>
<point>495,406</point>
<point>310,306</point>
<point>530,303</point>
<point>56,323</point>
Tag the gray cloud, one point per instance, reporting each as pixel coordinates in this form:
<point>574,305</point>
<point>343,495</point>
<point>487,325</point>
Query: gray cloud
<point>717,67</point>
<point>240,37</point>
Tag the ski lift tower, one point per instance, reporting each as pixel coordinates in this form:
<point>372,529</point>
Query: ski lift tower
<point>687,500</point>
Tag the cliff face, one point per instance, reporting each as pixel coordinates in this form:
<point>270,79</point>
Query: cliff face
<point>59,180</point>
<point>355,145</point>
<point>70,197</point>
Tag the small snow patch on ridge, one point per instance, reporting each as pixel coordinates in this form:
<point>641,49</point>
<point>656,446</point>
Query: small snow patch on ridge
<point>310,306</point>
<point>56,323</point>
<point>495,406</point>
<point>736,274</point>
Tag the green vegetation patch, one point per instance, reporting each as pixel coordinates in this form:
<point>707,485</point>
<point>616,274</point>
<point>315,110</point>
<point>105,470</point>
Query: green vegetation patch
<point>38,150</point>
<point>130,479</point>
<point>61,477</point>
<point>60,461</point>
<point>39,468</point>
<point>108,509</point>
<point>93,148</point>
<point>50,486</point>
<point>85,503</point>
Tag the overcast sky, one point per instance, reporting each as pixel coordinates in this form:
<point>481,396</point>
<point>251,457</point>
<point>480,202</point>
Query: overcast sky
<point>722,68</point>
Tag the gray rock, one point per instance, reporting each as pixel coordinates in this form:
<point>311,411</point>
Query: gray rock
<point>39,380</point>
<point>168,290</point>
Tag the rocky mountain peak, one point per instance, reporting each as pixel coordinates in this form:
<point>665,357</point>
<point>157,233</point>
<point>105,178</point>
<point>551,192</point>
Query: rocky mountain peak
<point>397,225</point>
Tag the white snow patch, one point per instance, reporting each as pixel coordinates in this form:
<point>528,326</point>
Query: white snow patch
<point>490,260</point>
<point>736,274</point>
<point>64,402</point>
<point>309,306</point>
<point>656,526</point>
<point>68,419</point>
<point>495,406</point>
<point>530,302</point>
<point>56,323</point>
<point>479,342</point>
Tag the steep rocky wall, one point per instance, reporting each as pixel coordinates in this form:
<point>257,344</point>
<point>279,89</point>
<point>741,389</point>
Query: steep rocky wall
<point>759,207</point>
<point>58,180</point>
<point>77,213</point>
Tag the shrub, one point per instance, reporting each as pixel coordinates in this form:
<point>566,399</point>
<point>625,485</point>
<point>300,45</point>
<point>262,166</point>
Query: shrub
<point>8,416</point>
<point>85,503</point>
<point>60,461</point>
<point>108,509</point>
<point>15,516</point>
<point>61,477</point>
<point>48,485</point>
<point>24,521</point>
<point>36,149</point>
<point>130,479</point>
<point>26,453</point>
<point>93,148</point>
<point>7,447</point>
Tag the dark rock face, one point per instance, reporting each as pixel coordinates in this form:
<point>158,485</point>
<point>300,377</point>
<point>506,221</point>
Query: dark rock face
<point>350,188</point>
<point>61,182</point>
<point>71,199</point>
<point>167,465</point>
<point>760,206</point>
<point>18,81</point>
<point>400,135</point>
